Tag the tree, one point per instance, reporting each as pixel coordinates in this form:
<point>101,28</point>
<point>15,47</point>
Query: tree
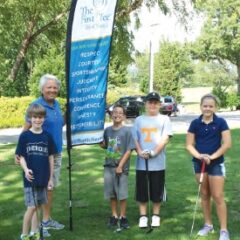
<point>52,62</point>
<point>220,37</point>
<point>38,24</point>
<point>212,74</point>
<point>142,64</point>
<point>28,29</point>
<point>172,67</point>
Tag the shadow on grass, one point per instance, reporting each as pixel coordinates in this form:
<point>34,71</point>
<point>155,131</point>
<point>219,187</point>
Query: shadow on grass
<point>91,211</point>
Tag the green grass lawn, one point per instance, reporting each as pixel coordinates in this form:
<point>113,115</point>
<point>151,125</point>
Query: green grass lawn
<point>91,211</point>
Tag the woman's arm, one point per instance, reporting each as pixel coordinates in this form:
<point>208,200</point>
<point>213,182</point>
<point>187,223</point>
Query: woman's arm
<point>51,165</point>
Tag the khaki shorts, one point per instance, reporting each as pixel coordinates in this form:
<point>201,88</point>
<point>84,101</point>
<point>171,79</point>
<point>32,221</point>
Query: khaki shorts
<point>115,186</point>
<point>57,169</point>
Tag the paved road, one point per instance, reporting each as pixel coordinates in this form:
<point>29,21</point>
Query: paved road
<point>180,124</point>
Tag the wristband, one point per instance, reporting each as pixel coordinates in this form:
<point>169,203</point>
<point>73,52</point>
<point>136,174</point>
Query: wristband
<point>152,153</point>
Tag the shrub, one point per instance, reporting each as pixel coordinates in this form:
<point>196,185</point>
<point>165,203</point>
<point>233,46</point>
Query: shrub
<point>222,95</point>
<point>233,100</point>
<point>12,111</point>
<point>114,93</point>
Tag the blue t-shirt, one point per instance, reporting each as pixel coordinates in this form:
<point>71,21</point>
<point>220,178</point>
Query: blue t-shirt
<point>36,149</point>
<point>53,123</point>
<point>208,137</point>
<point>148,131</point>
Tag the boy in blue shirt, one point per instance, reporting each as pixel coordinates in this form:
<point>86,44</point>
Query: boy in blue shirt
<point>151,133</point>
<point>35,148</point>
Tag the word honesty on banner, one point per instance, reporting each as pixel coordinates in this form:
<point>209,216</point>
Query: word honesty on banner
<point>88,49</point>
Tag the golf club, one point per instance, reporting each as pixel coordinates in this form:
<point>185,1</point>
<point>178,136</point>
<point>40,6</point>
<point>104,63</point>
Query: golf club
<point>150,229</point>
<point>38,215</point>
<point>199,188</point>
<point>119,229</point>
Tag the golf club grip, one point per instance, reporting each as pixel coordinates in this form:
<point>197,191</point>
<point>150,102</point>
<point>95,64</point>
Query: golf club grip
<point>202,171</point>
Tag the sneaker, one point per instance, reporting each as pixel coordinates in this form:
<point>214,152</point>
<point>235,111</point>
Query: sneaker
<point>113,221</point>
<point>35,236</point>
<point>143,222</point>
<point>124,223</point>
<point>52,224</point>
<point>206,230</point>
<point>24,237</point>
<point>46,233</point>
<point>155,221</point>
<point>224,235</point>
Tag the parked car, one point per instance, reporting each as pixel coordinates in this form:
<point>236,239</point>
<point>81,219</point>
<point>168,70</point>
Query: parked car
<point>134,105</point>
<point>168,106</point>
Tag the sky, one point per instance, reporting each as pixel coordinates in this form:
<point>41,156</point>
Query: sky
<point>157,26</point>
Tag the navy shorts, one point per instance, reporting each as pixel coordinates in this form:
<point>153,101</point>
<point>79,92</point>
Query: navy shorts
<point>212,169</point>
<point>157,190</point>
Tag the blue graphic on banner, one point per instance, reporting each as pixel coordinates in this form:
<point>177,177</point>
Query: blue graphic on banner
<point>88,83</point>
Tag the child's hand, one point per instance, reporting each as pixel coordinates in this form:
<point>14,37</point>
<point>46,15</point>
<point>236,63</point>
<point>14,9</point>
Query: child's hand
<point>102,144</point>
<point>206,158</point>
<point>50,184</point>
<point>145,154</point>
<point>119,170</point>
<point>29,175</point>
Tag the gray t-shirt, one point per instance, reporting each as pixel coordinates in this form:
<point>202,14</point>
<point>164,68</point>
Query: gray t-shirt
<point>118,142</point>
<point>148,131</point>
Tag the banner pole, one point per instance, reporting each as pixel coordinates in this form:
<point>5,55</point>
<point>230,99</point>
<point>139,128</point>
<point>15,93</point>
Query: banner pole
<point>68,114</point>
<point>70,189</point>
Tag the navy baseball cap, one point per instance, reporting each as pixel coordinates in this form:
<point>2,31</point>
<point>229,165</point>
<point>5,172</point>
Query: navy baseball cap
<point>153,96</point>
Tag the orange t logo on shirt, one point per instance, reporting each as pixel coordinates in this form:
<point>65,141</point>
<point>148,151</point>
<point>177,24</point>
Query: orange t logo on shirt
<point>148,132</point>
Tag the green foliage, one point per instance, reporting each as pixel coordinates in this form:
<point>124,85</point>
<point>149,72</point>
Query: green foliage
<point>233,100</point>
<point>117,73</point>
<point>113,94</point>
<point>220,37</point>
<point>52,62</point>
<point>13,110</point>
<point>172,67</point>
<point>15,18</point>
<point>221,94</point>
<point>142,63</point>
<point>212,73</point>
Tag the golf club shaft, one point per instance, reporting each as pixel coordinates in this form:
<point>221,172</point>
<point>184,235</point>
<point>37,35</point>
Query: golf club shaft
<point>119,229</point>
<point>37,214</point>
<point>199,189</point>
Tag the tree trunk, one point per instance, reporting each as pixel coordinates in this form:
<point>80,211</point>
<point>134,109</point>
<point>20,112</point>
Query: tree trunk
<point>22,52</point>
<point>29,37</point>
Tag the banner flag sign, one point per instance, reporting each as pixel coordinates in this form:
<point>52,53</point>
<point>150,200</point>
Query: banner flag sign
<point>89,38</point>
